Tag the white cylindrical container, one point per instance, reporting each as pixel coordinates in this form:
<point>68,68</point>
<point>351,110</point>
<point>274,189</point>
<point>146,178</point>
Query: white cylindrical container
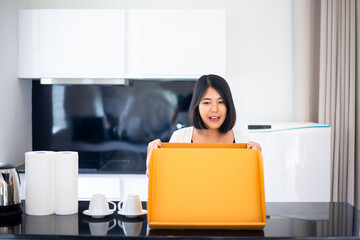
<point>66,183</point>
<point>40,182</point>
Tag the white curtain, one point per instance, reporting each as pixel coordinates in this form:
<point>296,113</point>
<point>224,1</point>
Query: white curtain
<point>339,103</point>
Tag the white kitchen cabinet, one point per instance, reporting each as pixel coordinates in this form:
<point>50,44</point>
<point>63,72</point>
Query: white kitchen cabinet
<point>296,158</point>
<point>134,184</point>
<point>78,43</point>
<point>113,186</point>
<point>28,44</point>
<point>71,43</point>
<point>175,43</point>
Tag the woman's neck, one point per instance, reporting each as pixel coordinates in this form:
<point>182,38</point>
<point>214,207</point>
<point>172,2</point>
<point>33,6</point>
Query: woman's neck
<point>212,136</point>
<point>209,135</point>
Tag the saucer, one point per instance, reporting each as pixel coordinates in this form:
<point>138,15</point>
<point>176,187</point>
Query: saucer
<point>97,220</point>
<point>86,212</point>
<point>143,212</point>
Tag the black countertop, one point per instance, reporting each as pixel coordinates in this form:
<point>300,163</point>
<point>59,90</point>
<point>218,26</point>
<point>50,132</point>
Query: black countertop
<point>284,220</point>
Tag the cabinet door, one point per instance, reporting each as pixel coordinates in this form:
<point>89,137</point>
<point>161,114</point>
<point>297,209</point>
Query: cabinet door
<point>76,43</point>
<point>175,43</point>
<point>28,64</point>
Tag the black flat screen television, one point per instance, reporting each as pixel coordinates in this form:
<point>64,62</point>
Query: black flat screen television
<point>108,125</point>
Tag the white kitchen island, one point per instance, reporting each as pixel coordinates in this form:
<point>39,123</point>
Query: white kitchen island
<point>296,158</point>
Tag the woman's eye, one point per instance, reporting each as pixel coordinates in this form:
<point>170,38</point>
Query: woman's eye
<point>206,102</point>
<point>221,102</point>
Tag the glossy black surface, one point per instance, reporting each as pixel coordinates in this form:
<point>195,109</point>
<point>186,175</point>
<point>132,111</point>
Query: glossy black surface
<point>109,126</point>
<point>284,220</point>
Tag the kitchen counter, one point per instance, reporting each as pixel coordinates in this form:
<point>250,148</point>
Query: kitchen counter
<point>285,220</point>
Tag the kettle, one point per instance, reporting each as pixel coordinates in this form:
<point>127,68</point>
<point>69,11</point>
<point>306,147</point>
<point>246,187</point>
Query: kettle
<point>10,203</point>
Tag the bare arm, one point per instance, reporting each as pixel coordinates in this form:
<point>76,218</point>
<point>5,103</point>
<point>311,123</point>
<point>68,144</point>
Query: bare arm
<point>153,144</point>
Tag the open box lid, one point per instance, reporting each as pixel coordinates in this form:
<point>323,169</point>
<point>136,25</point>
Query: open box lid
<point>206,186</point>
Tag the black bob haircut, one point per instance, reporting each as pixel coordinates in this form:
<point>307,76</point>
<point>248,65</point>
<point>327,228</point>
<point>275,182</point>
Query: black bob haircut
<point>221,86</point>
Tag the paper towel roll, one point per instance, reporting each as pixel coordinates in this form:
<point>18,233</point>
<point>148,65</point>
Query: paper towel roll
<point>66,183</point>
<point>40,182</point>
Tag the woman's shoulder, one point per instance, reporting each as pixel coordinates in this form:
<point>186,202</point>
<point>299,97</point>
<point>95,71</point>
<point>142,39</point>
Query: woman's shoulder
<point>240,137</point>
<point>182,135</point>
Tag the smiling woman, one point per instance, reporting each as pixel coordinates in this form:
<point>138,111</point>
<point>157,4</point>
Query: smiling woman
<point>212,116</point>
<point>212,100</point>
<point>212,109</point>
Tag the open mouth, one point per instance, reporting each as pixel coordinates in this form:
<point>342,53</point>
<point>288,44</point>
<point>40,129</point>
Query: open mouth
<point>214,119</point>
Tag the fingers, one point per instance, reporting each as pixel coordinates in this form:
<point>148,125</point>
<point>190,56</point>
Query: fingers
<point>153,144</point>
<point>252,145</point>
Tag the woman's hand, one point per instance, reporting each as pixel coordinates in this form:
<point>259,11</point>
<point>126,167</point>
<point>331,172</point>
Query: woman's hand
<point>251,145</point>
<point>153,144</point>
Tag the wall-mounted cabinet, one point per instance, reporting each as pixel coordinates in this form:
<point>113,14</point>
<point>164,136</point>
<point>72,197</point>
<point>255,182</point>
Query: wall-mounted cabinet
<point>71,43</point>
<point>175,43</point>
<point>121,43</point>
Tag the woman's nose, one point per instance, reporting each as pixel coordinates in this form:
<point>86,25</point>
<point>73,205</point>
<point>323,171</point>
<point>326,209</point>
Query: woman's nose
<point>214,107</point>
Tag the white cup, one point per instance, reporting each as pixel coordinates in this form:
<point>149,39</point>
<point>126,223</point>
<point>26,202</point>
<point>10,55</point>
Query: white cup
<point>131,228</point>
<point>101,228</point>
<point>131,205</point>
<point>100,205</point>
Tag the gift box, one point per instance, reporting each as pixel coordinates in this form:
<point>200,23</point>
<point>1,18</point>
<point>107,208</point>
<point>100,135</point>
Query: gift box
<point>206,186</point>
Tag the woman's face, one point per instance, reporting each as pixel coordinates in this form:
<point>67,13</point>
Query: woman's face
<point>212,109</point>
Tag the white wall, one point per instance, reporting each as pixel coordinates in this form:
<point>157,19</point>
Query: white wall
<point>259,59</point>
<point>306,64</point>
<point>15,95</point>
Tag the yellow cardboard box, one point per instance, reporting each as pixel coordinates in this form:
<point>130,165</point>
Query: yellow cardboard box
<point>206,186</point>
